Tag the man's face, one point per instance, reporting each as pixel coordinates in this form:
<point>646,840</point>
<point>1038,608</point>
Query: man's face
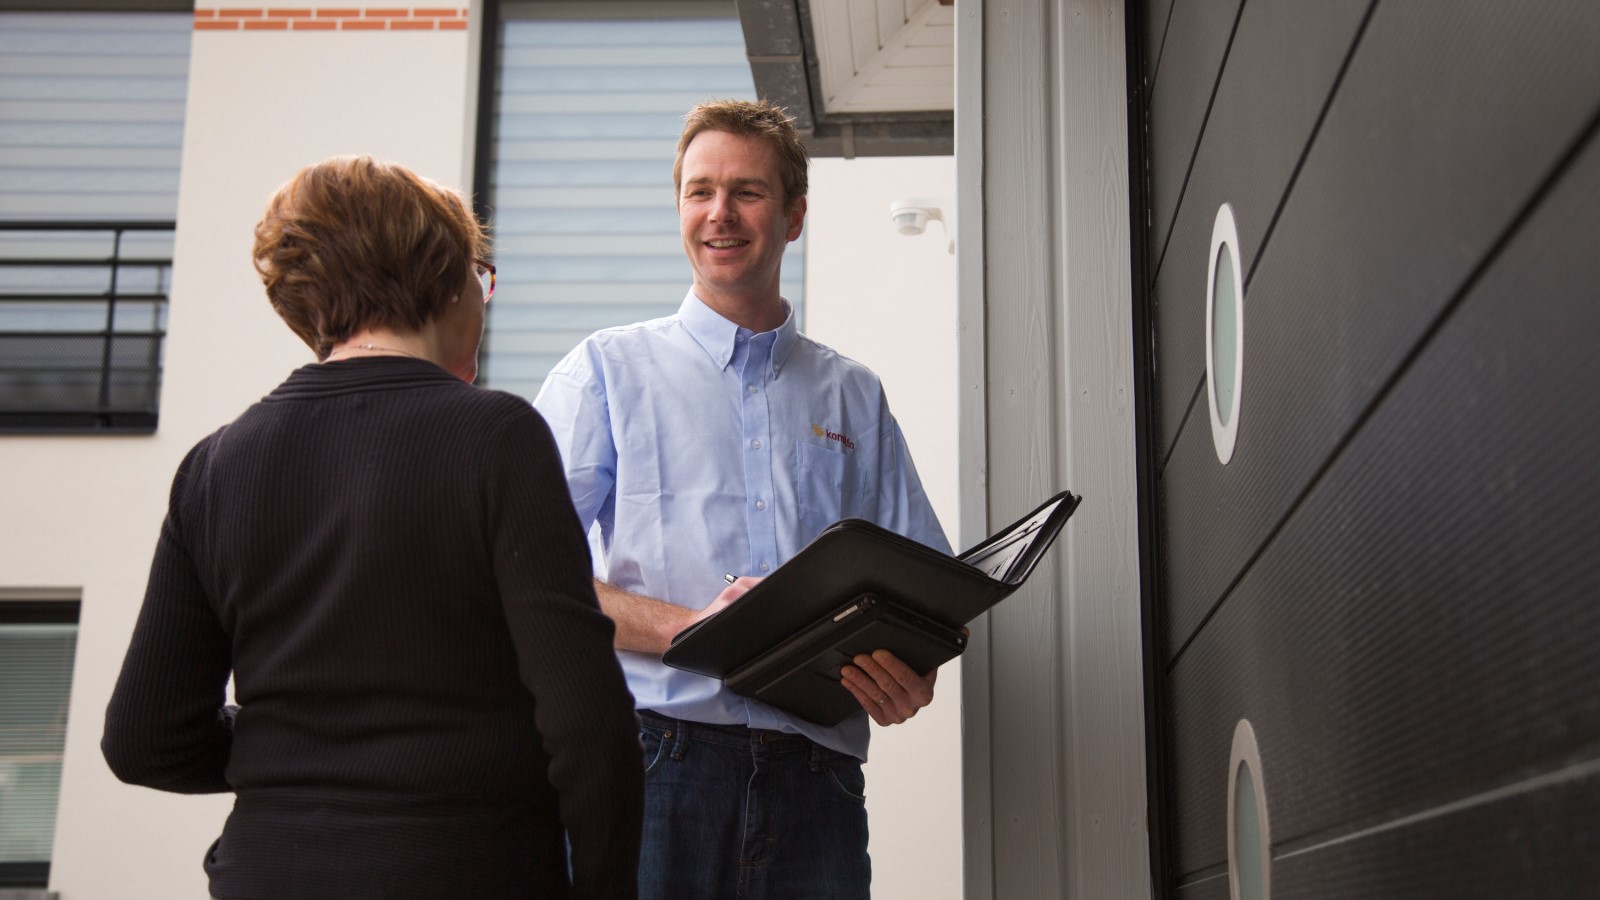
<point>732,217</point>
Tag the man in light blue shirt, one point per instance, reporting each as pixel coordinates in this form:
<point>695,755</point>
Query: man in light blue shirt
<point>721,440</point>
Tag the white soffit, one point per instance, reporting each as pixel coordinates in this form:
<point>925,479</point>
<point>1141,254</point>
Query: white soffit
<point>878,56</point>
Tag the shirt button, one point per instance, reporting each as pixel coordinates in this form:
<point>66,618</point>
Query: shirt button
<point>766,567</point>
<point>761,504</point>
<point>751,388</point>
<point>756,443</point>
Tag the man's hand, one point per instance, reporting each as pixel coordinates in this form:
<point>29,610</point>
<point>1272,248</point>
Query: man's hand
<point>735,589</point>
<point>647,625</point>
<point>887,688</point>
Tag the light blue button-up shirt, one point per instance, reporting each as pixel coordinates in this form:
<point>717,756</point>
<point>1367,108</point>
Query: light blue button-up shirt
<point>694,447</point>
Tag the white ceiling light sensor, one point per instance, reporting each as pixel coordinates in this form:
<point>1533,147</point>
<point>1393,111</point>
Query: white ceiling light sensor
<point>911,217</point>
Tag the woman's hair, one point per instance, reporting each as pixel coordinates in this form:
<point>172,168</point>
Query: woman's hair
<point>353,243</point>
<point>751,118</point>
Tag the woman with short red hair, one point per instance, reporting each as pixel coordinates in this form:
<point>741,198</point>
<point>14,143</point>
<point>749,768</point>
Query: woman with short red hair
<point>386,563</point>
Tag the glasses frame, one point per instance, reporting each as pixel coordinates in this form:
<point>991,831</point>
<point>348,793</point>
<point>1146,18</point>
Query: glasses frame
<point>483,267</point>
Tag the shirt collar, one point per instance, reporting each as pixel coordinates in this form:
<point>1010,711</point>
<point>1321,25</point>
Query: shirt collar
<point>715,335</point>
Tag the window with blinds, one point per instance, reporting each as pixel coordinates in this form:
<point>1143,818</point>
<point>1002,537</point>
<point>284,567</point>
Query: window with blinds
<point>38,641</point>
<point>91,135</point>
<point>590,101</point>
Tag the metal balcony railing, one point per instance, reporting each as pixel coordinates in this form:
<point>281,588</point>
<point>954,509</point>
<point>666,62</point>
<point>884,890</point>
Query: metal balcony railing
<point>83,318</point>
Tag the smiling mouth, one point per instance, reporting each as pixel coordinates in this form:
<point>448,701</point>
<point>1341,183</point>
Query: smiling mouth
<point>725,243</point>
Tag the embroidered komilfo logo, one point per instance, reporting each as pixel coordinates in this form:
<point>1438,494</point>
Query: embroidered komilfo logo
<point>824,433</point>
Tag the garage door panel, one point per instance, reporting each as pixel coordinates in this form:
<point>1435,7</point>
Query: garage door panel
<point>1430,151</point>
<point>1179,97</point>
<point>1284,62</point>
<point>1422,629</point>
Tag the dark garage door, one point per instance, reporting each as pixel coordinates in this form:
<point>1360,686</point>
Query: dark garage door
<point>1394,577</point>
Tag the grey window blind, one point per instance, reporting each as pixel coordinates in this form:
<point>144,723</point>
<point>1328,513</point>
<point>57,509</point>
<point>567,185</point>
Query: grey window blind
<point>91,114</point>
<point>590,103</point>
<point>91,137</point>
<point>35,682</point>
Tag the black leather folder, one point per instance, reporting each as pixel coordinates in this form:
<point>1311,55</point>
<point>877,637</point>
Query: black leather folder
<point>857,588</point>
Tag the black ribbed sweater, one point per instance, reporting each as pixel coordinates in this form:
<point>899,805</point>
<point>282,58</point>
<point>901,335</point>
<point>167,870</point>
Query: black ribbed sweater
<point>387,562</point>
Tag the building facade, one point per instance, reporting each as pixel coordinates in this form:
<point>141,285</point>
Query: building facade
<point>268,90</point>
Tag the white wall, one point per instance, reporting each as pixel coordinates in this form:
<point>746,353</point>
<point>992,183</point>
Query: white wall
<point>83,512</point>
<point>889,301</point>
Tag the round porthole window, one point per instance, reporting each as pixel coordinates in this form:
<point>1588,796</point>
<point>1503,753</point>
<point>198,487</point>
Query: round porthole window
<point>1224,333</point>
<point>1249,839</point>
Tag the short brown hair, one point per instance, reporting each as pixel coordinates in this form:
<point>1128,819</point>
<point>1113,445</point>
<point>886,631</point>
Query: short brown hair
<point>353,242</point>
<point>754,118</point>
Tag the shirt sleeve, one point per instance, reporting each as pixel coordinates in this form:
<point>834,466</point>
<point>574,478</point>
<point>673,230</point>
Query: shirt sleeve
<point>903,506</point>
<point>573,403</point>
<point>166,726</point>
<point>564,645</point>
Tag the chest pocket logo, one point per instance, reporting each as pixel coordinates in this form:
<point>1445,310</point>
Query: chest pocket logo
<point>825,491</point>
<point>842,440</point>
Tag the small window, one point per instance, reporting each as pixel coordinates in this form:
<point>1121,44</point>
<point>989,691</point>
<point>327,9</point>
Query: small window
<point>1249,832</point>
<point>38,642</point>
<point>1224,333</point>
<point>91,135</point>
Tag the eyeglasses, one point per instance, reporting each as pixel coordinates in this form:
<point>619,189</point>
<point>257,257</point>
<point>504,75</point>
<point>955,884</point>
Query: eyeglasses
<point>485,277</point>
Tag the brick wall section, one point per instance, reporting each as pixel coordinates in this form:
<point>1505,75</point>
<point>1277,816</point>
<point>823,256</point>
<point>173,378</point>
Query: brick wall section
<point>372,18</point>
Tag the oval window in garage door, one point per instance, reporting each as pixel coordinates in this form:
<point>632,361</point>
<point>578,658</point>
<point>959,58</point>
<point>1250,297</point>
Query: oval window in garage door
<point>1224,333</point>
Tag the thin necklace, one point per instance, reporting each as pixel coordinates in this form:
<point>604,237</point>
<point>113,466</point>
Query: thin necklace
<point>372,347</point>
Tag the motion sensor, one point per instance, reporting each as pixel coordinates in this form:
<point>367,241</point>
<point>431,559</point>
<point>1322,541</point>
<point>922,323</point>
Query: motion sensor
<point>911,217</point>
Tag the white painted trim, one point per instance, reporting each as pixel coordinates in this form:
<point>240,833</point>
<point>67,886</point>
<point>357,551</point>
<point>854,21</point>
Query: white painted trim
<point>830,25</point>
<point>1055,751</point>
<point>868,70</point>
<point>868,85</point>
<point>972,431</point>
<point>891,15</point>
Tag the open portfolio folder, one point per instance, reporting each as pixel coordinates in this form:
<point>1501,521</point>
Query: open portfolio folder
<point>857,588</point>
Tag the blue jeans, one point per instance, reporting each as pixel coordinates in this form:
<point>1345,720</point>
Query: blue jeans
<point>733,812</point>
